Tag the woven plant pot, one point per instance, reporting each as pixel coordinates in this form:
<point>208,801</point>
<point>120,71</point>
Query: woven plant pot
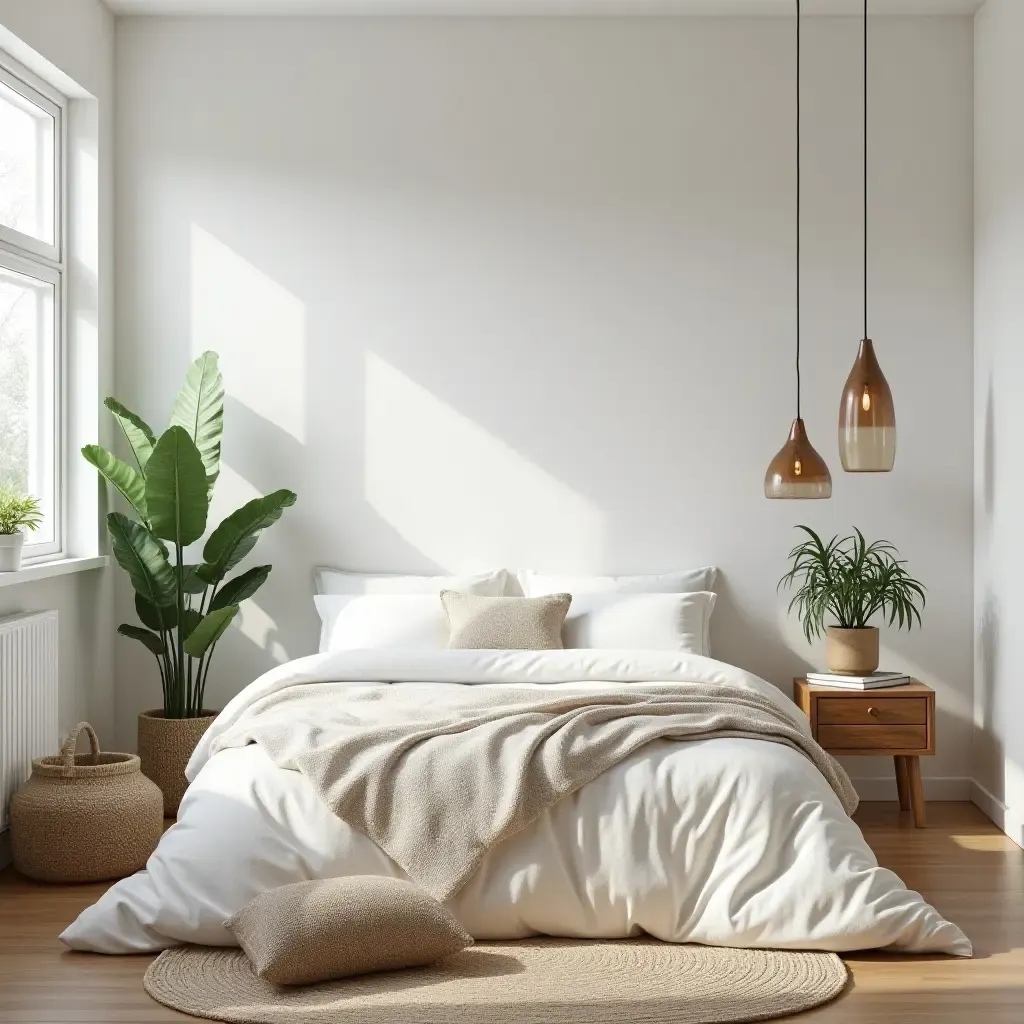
<point>851,652</point>
<point>85,817</point>
<point>165,745</point>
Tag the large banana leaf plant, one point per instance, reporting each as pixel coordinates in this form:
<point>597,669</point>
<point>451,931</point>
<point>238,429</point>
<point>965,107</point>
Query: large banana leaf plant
<point>184,608</point>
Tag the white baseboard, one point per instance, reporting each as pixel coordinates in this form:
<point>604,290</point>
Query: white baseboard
<point>1007,818</point>
<point>884,788</point>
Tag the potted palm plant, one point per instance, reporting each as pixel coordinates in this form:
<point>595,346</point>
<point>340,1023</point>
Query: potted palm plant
<point>184,608</point>
<point>18,512</point>
<point>849,582</point>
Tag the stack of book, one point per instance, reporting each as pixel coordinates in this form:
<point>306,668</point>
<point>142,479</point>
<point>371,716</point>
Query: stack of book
<point>873,681</point>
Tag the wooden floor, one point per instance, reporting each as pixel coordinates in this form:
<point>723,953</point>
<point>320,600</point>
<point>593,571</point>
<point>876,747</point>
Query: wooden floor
<point>961,863</point>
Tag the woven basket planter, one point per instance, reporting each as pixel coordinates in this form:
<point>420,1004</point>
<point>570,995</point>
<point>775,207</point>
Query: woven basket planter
<point>165,745</point>
<point>85,817</point>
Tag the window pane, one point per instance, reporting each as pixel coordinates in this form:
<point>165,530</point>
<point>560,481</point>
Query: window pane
<point>26,166</point>
<point>27,435</point>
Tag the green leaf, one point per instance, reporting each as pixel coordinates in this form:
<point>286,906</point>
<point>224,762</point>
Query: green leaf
<point>191,581</point>
<point>237,535</point>
<point>209,631</point>
<point>140,555</point>
<point>131,484</point>
<point>137,432</point>
<point>190,618</point>
<point>210,573</point>
<point>151,640</point>
<point>241,587</point>
<point>199,409</point>
<point>155,617</point>
<point>176,494</point>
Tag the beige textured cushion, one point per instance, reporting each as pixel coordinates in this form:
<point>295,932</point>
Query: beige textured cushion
<point>315,931</point>
<point>507,623</point>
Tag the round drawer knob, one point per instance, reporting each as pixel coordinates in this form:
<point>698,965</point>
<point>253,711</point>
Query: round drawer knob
<point>873,711</point>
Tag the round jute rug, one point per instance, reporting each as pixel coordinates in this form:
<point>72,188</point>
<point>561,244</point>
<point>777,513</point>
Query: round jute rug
<point>535,981</point>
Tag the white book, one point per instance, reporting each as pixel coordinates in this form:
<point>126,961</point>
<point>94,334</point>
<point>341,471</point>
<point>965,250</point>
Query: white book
<point>874,681</point>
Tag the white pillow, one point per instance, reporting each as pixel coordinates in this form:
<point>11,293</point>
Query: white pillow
<point>657,622</point>
<point>684,581</point>
<point>337,581</point>
<point>409,622</point>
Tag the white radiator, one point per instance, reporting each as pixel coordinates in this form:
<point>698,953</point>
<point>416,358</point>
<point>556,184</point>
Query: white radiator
<point>28,698</point>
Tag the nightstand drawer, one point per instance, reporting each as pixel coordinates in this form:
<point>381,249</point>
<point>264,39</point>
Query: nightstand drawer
<point>873,737</point>
<point>865,711</point>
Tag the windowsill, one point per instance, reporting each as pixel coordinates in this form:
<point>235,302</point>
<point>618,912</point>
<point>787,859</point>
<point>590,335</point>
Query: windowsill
<point>46,570</point>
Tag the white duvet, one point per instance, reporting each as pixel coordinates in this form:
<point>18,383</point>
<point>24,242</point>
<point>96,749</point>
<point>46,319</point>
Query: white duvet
<point>735,842</point>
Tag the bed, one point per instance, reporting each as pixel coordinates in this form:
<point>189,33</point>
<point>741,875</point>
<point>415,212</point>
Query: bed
<point>728,839</point>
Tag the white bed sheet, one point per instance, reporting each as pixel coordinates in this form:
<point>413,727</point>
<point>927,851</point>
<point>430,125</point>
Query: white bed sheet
<point>725,841</point>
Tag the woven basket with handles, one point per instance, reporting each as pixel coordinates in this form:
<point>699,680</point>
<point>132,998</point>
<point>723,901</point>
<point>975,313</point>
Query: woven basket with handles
<point>85,817</point>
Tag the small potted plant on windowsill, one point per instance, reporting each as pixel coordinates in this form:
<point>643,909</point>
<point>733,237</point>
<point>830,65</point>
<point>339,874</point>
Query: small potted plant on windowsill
<point>850,581</point>
<point>184,609</point>
<point>17,513</point>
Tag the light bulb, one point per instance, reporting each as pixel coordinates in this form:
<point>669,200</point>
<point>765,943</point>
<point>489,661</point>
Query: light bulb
<point>865,400</point>
<point>797,471</point>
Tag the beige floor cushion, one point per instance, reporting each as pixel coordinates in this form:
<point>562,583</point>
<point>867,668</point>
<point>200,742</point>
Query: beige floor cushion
<point>316,931</point>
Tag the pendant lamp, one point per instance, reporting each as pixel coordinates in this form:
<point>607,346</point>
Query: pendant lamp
<point>867,418</point>
<point>797,471</point>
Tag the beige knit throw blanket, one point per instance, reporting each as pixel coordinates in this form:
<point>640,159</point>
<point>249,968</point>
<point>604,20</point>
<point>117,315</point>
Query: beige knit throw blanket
<point>436,774</point>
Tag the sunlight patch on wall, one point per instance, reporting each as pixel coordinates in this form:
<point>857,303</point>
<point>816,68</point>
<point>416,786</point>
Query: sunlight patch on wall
<point>256,625</point>
<point>257,326</point>
<point>461,496</point>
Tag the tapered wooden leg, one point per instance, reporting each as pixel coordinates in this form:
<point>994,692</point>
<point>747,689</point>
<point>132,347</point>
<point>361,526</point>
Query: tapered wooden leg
<point>902,782</point>
<point>916,792</point>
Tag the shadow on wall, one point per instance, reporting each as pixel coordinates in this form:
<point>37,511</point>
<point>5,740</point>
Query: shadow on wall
<point>988,748</point>
<point>991,765</point>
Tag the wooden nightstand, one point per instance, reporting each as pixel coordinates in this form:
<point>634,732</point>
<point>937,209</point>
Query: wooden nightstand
<point>897,721</point>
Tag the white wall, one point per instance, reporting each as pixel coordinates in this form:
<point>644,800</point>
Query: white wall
<point>71,43</point>
<point>521,292</point>
<point>999,411</point>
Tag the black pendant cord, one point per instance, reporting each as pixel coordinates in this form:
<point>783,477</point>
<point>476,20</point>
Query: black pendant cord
<point>798,208</point>
<point>866,335</point>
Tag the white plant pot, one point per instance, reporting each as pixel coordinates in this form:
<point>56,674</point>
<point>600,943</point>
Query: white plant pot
<point>10,551</point>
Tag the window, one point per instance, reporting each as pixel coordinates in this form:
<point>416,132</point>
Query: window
<point>31,291</point>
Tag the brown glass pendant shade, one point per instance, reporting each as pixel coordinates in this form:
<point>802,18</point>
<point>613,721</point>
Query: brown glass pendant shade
<point>797,471</point>
<point>867,417</point>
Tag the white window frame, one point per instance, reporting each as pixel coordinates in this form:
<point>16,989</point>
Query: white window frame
<point>33,258</point>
